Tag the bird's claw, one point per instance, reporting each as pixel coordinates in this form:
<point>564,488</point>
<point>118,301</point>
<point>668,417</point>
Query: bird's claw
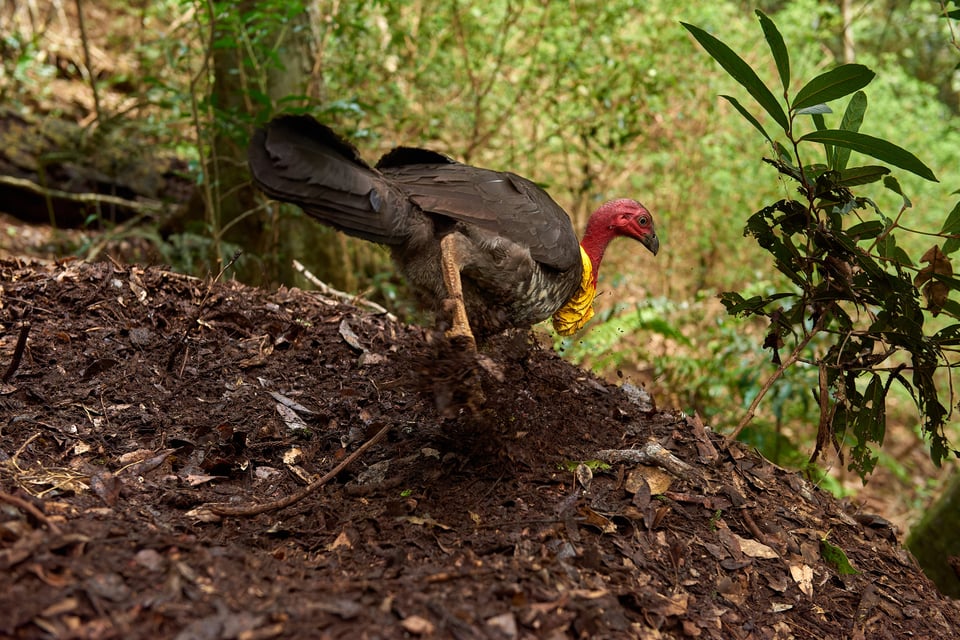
<point>462,339</point>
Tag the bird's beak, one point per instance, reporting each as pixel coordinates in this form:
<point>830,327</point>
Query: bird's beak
<point>652,242</point>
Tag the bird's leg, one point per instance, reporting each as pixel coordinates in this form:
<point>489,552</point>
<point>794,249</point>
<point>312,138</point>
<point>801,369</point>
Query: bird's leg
<point>453,303</point>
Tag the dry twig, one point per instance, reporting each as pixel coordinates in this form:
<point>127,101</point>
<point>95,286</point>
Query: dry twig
<point>652,454</point>
<point>327,290</point>
<point>284,502</point>
<point>31,509</point>
<point>17,351</point>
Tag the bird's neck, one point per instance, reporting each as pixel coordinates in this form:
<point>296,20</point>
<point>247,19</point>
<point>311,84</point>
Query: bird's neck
<point>594,242</point>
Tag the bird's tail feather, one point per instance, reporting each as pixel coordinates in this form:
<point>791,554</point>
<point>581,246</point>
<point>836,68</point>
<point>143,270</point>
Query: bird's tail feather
<point>298,160</point>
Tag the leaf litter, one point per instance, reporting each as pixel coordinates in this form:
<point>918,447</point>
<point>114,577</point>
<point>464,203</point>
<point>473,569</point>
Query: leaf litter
<point>144,401</point>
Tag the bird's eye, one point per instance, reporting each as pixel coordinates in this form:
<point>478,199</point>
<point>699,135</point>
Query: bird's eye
<point>642,220</point>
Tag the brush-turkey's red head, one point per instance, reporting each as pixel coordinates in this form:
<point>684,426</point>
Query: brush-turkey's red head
<point>626,218</point>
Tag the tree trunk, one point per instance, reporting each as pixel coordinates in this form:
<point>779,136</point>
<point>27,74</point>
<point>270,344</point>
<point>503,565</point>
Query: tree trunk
<point>235,217</point>
<point>935,543</point>
<point>846,11</point>
<point>237,214</point>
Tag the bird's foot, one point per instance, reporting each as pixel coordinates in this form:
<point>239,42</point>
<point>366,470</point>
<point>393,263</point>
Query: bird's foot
<point>459,333</point>
<point>462,339</point>
<point>465,342</point>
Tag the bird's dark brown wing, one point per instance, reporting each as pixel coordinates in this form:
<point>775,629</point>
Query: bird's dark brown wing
<point>296,159</point>
<point>501,202</point>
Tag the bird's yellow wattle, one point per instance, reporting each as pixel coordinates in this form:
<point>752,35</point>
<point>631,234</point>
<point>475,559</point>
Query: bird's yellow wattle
<point>578,310</point>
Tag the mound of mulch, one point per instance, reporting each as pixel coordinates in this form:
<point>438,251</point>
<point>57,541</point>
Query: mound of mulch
<point>507,496</point>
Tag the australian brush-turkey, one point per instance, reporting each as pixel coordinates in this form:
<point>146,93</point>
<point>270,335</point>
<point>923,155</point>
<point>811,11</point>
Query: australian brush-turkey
<point>491,250</point>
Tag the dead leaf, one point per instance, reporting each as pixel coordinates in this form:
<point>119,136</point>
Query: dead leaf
<point>106,487</point>
<point>505,624</point>
<point>417,625</point>
<point>132,457</point>
<point>110,586</point>
<point>675,605</point>
<point>734,588</point>
<point>196,479</point>
<point>777,582</point>
<point>292,404</point>
<point>584,476</point>
<point>368,358</point>
<point>341,541</point>
<point>705,449</point>
<point>149,559</point>
<point>148,465</point>
<point>349,336</point>
<point>290,418</point>
<point>803,576</point>
<point>203,514</point>
<point>934,291</point>
<point>658,480</point>
<point>301,473</point>
<point>60,607</point>
<point>428,522</point>
<point>22,549</point>
<point>594,519</point>
<point>81,447</point>
<point>755,549</point>
<point>139,292</point>
<point>96,367</point>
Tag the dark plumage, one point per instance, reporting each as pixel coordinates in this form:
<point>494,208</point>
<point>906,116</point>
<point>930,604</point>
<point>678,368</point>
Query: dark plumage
<point>489,248</point>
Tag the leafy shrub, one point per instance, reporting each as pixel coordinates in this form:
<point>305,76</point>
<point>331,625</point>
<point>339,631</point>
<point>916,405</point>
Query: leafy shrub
<point>851,286</point>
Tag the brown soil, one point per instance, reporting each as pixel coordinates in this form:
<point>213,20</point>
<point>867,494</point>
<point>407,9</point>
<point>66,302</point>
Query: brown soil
<point>144,398</point>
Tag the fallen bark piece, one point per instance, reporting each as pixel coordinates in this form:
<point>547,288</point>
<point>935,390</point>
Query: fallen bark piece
<point>651,453</point>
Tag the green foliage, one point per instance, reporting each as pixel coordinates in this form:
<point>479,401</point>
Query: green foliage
<point>851,308</point>
<point>837,558</point>
<point>704,362</point>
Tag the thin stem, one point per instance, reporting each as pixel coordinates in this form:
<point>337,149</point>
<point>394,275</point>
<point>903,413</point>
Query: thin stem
<point>792,358</point>
<point>88,61</point>
<point>256,509</point>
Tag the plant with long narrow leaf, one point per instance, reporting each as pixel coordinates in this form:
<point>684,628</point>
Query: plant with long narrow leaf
<point>856,304</point>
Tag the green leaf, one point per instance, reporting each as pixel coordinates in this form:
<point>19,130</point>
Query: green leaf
<point>862,175</point>
<point>888,249</point>
<point>777,48</point>
<point>741,72</point>
<point>949,335</point>
<point>951,281</point>
<point>738,306</point>
<point>866,230</point>
<point>593,465</point>
<point>835,556</point>
<point>665,329</point>
<point>817,109</point>
<point>893,184</point>
<point>760,226</point>
<point>852,119</point>
<point>874,147</point>
<point>746,114</point>
<point>951,226</point>
<point>820,124</point>
<point>833,84</point>
<point>951,308</point>
<point>874,416</point>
